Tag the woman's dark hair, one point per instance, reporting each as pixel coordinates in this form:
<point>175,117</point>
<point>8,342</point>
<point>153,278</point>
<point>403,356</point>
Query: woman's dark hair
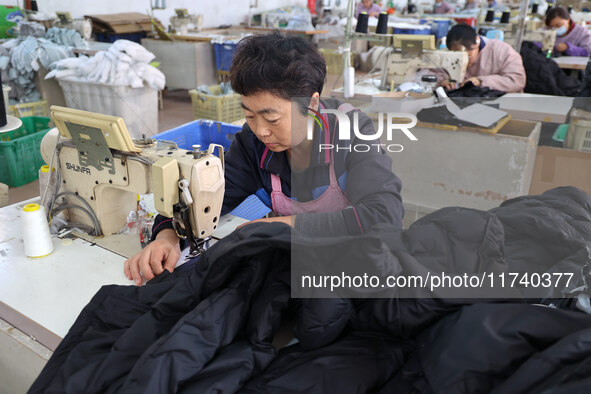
<point>461,34</point>
<point>287,66</point>
<point>560,12</point>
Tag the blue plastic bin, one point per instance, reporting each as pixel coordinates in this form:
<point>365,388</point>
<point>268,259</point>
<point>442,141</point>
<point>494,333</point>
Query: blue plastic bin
<point>112,37</point>
<point>439,27</point>
<point>201,132</point>
<point>223,55</point>
<point>205,132</point>
<point>425,30</point>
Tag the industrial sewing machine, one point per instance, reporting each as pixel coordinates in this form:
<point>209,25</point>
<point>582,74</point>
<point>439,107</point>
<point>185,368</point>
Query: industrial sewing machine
<point>101,170</point>
<point>402,66</point>
<point>182,20</point>
<point>546,37</point>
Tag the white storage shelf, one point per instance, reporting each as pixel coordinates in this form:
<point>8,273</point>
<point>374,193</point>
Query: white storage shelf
<point>137,106</point>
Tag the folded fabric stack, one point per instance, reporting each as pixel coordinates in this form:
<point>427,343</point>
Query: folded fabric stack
<point>125,63</point>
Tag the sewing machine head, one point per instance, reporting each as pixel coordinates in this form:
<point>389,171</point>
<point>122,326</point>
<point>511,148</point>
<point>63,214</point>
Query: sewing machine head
<point>546,37</point>
<point>404,67</point>
<point>182,20</point>
<point>101,171</point>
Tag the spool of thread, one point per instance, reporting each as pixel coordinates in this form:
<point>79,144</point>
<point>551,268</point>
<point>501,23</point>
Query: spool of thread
<point>362,21</point>
<point>490,15</point>
<point>35,230</point>
<point>534,8</point>
<point>570,9</point>
<point>505,17</point>
<point>44,178</point>
<point>382,27</point>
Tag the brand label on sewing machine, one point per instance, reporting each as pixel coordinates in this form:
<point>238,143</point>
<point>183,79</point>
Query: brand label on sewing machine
<point>77,168</point>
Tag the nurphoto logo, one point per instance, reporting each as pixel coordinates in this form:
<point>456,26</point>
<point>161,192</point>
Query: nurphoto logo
<point>344,133</point>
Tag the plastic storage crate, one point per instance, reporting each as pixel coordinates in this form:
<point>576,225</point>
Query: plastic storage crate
<point>205,132</point>
<point>215,106</point>
<point>469,21</point>
<point>439,27</point>
<point>579,135</point>
<point>20,155</point>
<point>35,108</point>
<point>223,55</point>
<point>334,60</point>
<point>112,37</point>
<point>137,106</point>
<point>405,28</point>
<point>200,132</point>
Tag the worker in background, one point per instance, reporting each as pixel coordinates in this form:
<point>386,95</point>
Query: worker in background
<point>442,7</point>
<point>318,192</point>
<point>571,39</point>
<point>492,3</point>
<point>491,63</point>
<point>470,5</point>
<point>369,7</point>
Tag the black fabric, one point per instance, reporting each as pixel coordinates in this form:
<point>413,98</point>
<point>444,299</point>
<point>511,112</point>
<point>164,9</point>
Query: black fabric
<point>441,115</point>
<point>211,328</point>
<point>469,90</point>
<point>543,74</point>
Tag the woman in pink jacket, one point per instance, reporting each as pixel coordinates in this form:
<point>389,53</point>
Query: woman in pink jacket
<point>571,39</point>
<point>491,63</point>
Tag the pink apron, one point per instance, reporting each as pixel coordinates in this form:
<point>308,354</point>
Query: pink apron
<point>333,199</point>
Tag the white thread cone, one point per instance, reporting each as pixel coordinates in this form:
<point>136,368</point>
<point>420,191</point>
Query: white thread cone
<point>35,230</point>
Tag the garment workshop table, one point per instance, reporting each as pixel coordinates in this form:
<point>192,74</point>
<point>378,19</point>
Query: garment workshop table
<point>572,62</point>
<point>524,106</point>
<point>43,296</point>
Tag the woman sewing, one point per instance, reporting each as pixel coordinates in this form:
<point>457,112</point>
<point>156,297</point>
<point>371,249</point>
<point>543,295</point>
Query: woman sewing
<point>317,190</point>
<point>571,39</point>
<point>491,63</point>
<point>369,7</point>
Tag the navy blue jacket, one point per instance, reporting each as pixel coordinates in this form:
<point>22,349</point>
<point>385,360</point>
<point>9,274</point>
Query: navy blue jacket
<point>366,178</point>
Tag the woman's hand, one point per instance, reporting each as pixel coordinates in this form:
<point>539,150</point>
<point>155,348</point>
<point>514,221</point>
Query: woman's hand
<point>475,81</point>
<point>561,47</point>
<point>161,254</point>
<point>281,219</point>
<point>448,85</point>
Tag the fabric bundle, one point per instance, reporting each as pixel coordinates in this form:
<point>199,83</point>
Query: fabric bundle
<point>20,58</point>
<point>67,37</point>
<point>125,63</point>
<point>210,328</point>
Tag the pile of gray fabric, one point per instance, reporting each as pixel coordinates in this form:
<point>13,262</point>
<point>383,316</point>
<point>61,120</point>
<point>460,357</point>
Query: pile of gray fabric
<point>21,58</point>
<point>67,37</point>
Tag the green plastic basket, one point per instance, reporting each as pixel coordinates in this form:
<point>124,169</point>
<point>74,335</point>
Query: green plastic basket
<point>20,157</point>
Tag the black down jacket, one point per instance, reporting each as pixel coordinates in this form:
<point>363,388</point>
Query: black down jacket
<point>211,329</point>
<point>543,75</point>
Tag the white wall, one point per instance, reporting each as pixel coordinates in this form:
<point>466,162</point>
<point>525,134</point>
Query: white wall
<point>215,13</point>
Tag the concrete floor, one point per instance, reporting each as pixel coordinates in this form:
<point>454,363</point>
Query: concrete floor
<point>177,111</point>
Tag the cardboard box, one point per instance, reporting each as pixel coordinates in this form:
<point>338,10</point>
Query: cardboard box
<point>50,89</point>
<point>130,22</point>
<point>556,167</point>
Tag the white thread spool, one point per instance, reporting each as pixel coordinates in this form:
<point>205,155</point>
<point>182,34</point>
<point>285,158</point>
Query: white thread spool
<point>35,230</point>
<point>46,177</point>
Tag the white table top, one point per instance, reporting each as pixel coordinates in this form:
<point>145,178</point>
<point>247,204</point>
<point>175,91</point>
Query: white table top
<point>536,107</point>
<point>43,296</point>
<point>572,62</point>
<point>51,291</point>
